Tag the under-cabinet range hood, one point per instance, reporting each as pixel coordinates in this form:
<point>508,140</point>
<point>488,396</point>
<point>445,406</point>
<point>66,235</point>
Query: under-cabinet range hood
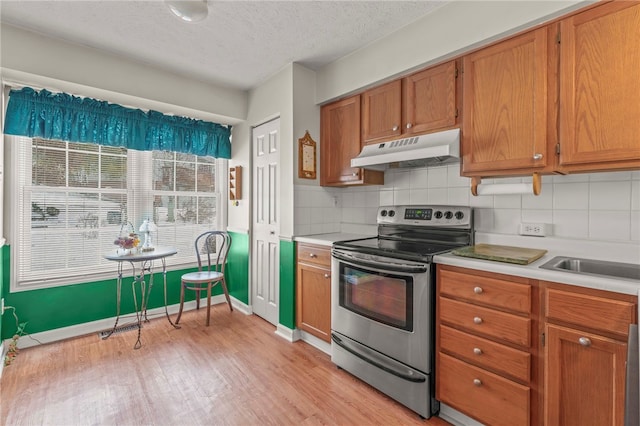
<point>417,151</point>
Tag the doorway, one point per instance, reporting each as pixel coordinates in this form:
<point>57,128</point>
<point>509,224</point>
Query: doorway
<point>265,263</point>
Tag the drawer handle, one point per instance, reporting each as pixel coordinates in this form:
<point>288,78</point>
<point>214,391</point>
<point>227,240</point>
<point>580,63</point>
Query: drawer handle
<point>584,341</point>
<point>477,290</point>
<point>477,351</point>
<point>327,275</point>
<point>477,382</point>
<point>477,320</point>
<point>313,255</point>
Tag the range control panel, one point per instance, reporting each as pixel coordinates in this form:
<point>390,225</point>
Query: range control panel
<point>426,215</point>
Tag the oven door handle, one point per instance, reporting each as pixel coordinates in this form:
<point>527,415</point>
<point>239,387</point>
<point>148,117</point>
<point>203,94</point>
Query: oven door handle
<point>381,265</point>
<point>381,364</point>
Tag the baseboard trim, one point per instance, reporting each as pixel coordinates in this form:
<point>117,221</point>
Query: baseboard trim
<point>63,333</point>
<point>287,334</point>
<point>455,417</point>
<point>315,342</point>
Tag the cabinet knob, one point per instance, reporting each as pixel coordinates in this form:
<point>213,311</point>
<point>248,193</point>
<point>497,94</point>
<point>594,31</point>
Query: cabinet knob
<point>395,128</point>
<point>477,382</point>
<point>584,341</point>
<point>354,174</point>
<point>327,275</point>
<point>477,351</point>
<point>313,255</point>
<point>537,156</point>
<point>477,290</point>
<point>477,320</point>
<point>409,125</point>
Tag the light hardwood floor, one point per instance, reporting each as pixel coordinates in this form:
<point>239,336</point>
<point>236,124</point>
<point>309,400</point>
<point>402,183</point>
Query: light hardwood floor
<point>235,372</point>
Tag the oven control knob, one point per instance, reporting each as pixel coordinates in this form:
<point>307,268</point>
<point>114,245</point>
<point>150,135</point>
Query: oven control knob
<point>392,213</point>
<point>448,215</point>
<point>383,213</point>
<point>438,214</point>
<point>459,215</point>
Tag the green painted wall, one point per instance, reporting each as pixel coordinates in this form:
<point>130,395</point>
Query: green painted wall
<point>64,306</point>
<point>287,284</point>
<point>238,267</point>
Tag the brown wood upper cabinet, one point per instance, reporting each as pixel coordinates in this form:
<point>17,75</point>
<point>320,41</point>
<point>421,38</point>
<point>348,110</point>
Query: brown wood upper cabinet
<point>507,125</point>
<point>419,103</point>
<point>582,69</point>
<point>340,142</point>
<point>600,88</point>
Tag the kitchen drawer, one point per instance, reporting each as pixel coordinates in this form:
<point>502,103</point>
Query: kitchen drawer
<point>590,311</point>
<point>485,290</point>
<point>487,397</point>
<point>485,353</point>
<point>310,253</point>
<point>501,325</point>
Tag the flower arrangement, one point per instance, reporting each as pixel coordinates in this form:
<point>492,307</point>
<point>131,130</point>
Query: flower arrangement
<point>128,241</point>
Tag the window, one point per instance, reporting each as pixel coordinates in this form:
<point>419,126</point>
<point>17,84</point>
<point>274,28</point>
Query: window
<point>73,200</point>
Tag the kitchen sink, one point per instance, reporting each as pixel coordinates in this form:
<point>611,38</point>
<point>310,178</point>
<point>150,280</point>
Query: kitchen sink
<point>628,271</point>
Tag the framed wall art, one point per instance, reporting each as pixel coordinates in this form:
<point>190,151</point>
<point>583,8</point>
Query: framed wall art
<point>306,157</point>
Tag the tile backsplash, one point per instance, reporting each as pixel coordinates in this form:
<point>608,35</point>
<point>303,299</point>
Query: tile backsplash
<point>591,206</point>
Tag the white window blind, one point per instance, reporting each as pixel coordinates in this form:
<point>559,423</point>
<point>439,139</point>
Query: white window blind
<point>74,199</point>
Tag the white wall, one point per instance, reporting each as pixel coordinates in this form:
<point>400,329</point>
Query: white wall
<point>30,58</point>
<point>272,99</point>
<point>306,116</point>
<point>591,206</point>
<point>450,30</point>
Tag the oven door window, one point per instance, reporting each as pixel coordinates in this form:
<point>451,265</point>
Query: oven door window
<point>383,297</point>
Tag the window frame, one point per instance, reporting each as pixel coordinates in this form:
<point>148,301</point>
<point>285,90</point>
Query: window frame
<point>139,207</point>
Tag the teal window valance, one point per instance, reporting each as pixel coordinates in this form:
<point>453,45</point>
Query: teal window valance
<point>70,118</point>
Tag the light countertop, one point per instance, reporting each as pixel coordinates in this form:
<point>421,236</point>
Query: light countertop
<point>329,239</point>
<point>623,252</point>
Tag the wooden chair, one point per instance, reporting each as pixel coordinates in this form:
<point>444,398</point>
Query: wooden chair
<point>214,247</point>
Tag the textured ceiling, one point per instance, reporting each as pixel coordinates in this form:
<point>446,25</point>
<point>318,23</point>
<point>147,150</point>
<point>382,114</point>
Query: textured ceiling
<point>240,43</point>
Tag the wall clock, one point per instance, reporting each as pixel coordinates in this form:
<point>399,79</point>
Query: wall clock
<point>306,157</point>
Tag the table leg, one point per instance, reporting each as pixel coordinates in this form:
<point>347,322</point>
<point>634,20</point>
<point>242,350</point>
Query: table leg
<point>164,277</point>
<point>118,298</point>
<point>139,313</point>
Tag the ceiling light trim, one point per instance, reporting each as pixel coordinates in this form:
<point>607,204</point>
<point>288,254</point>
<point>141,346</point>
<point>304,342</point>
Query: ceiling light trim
<point>189,10</point>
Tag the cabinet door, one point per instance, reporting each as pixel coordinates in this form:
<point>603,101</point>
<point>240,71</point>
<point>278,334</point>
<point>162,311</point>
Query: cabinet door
<point>340,142</point>
<point>600,88</point>
<point>429,99</point>
<point>506,112</point>
<point>381,112</point>
<point>313,300</point>
<point>585,378</point>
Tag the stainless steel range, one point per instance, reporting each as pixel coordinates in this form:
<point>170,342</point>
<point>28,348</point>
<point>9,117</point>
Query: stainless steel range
<point>383,300</point>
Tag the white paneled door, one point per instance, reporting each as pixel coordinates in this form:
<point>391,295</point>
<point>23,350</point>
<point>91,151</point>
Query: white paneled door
<point>266,221</point>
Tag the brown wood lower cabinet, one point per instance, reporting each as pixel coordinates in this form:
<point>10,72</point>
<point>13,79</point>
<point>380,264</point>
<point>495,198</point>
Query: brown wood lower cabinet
<point>313,290</point>
<point>586,334</point>
<point>484,346</point>
<point>554,356</point>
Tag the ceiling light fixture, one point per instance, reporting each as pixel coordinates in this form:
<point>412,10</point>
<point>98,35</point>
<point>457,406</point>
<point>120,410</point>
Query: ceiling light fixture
<point>189,10</point>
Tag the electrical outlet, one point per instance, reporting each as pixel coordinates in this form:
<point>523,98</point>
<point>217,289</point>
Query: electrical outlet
<point>535,229</point>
